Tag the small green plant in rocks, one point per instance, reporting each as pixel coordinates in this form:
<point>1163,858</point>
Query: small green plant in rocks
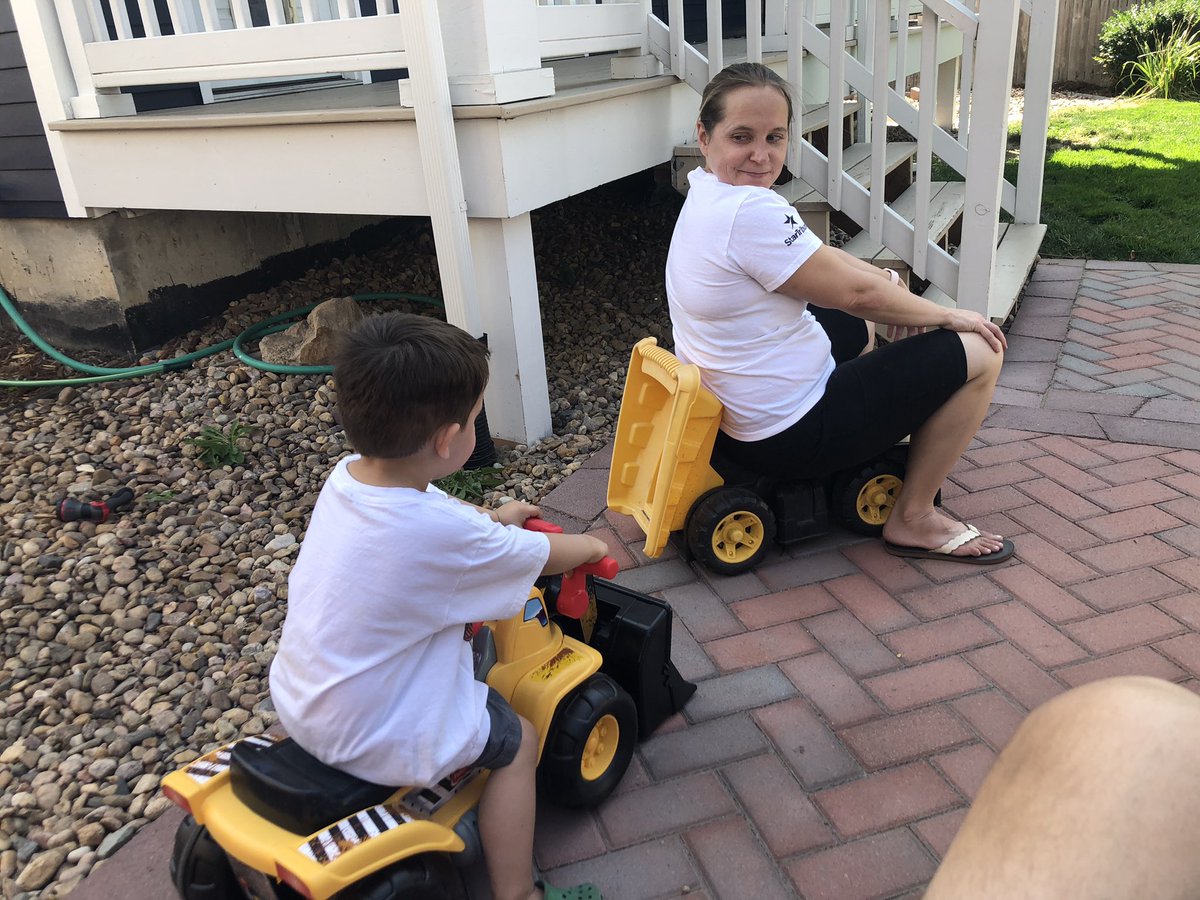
<point>220,448</point>
<point>470,484</point>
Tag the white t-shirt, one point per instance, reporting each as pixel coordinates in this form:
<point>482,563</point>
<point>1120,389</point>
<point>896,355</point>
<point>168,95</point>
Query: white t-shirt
<point>763,354</point>
<point>373,675</point>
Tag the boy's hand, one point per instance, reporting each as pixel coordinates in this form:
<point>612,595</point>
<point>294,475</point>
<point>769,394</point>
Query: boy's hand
<point>599,550</point>
<point>515,512</point>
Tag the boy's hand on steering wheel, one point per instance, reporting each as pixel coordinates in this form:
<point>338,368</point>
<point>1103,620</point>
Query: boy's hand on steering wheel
<point>965,321</point>
<point>515,512</point>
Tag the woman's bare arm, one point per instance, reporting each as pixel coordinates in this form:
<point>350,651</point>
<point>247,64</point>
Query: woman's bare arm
<point>829,279</point>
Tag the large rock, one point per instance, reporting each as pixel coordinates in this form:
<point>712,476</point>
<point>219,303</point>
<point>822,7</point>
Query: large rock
<point>311,342</point>
<point>40,870</point>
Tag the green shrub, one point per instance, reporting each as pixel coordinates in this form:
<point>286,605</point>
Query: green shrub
<point>1168,71</point>
<point>1126,34</point>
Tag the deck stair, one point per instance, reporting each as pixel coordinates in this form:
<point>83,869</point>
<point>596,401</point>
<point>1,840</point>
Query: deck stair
<point>945,211</point>
<point>808,200</point>
<point>1016,254</point>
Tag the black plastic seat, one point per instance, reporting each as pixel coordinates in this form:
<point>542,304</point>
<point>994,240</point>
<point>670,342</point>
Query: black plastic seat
<point>289,787</point>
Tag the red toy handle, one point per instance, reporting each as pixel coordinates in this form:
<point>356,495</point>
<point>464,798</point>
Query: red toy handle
<point>533,523</point>
<point>573,595</point>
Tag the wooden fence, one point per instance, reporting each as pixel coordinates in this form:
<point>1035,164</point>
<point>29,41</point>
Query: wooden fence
<point>1079,24</point>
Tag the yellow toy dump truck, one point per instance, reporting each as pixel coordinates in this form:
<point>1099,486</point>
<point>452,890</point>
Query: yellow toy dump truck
<point>664,474</point>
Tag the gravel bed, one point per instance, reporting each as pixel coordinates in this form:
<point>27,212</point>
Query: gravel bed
<point>134,646</point>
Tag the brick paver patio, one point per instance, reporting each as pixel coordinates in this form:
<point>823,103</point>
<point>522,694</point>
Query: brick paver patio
<point>850,703</point>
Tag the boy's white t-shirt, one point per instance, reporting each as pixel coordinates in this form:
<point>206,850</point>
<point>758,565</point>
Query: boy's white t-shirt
<point>372,675</point>
<point>762,353</point>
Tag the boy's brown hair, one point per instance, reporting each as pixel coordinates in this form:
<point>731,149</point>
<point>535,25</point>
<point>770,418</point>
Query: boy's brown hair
<point>400,377</point>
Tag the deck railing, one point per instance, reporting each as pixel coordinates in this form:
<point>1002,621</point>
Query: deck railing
<point>120,43</point>
<point>885,44</point>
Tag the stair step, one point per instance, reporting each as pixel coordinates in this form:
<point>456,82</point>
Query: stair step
<point>815,118</point>
<point>856,162</point>
<point>946,200</point>
<point>1016,253</point>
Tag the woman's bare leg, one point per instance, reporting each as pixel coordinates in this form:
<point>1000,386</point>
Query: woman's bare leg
<point>1097,795</point>
<point>936,448</point>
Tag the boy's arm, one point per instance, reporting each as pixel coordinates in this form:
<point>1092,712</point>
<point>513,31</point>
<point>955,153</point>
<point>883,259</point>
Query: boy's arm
<point>570,550</point>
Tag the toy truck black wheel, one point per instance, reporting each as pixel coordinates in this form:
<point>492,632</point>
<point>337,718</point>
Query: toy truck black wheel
<point>423,877</point>
<point>729,530</point>
<point>864,500</point>
<point>200,870</point>
<point>590,743</point>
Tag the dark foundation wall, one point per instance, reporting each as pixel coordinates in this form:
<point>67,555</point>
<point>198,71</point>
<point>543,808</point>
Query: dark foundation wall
<point>28,185</point>
<point>126,284</point>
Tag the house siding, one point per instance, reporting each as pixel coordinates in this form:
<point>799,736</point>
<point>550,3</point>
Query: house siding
<point>28,185</point>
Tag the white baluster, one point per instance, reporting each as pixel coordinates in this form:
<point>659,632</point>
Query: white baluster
<point>837,91</point>
<point>929,74</point>
<point>275,14</point>
<point>795,72</point>
<point>879,113</point>
<point>715,36</point>
<point>180,12</point>
<point>754,35</point>
<point>995,50</point>
<point>675,33</point>
<point>208,12</point>
<point>95,17</point>
<point>149,18</point>
<point>241,13</point>
<point>1043,34</point>
<point>120,17</point>
<point>966,84</point>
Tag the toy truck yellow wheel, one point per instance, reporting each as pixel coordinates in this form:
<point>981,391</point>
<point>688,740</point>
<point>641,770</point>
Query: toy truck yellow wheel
<point>865,500</point>
<point>590,743</point>
<point>730,529</point>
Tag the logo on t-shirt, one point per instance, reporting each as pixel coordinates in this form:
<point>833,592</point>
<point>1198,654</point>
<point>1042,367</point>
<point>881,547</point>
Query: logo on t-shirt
<point>799,227</point>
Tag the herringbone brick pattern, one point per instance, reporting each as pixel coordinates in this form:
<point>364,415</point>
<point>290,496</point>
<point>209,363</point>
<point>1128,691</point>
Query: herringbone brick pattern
<point>850,703</point>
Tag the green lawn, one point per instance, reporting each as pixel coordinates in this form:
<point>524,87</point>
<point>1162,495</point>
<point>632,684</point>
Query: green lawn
<point>1124,182</point>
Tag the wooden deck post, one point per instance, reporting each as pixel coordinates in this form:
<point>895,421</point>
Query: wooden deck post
<point>440,163</point>
<point>995,49</point>
<point>518,403</point>
<point>1035,115</point>
<point>492,53</point>
<point>637,62</point>
<point>89,101</point>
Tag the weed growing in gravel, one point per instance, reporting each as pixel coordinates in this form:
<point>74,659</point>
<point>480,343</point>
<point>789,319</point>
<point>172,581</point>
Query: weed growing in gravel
<point>470,484</point>
<point>159,497</point>
<point>220,448</point>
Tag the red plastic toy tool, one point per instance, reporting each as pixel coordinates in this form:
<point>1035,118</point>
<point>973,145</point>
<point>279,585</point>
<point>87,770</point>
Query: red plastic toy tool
<point>573,595</point>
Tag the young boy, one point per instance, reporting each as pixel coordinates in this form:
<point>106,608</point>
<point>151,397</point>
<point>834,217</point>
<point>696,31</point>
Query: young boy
<point>373,675</point>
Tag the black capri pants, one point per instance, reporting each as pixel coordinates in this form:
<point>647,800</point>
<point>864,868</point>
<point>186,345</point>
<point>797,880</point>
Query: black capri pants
<point>870,402</point>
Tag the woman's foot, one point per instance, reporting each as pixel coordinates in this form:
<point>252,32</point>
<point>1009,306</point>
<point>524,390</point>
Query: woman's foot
<point>934,534</point>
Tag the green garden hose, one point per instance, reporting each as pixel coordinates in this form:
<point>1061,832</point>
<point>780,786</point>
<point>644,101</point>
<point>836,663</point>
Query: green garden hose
<point>99,374</point>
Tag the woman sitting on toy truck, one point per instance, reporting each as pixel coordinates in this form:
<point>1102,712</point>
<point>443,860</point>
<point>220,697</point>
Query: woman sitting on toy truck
<point>801,399</point>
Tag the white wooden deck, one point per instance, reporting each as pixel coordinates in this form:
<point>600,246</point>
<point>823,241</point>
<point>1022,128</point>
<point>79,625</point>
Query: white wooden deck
<point>353,149</point>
